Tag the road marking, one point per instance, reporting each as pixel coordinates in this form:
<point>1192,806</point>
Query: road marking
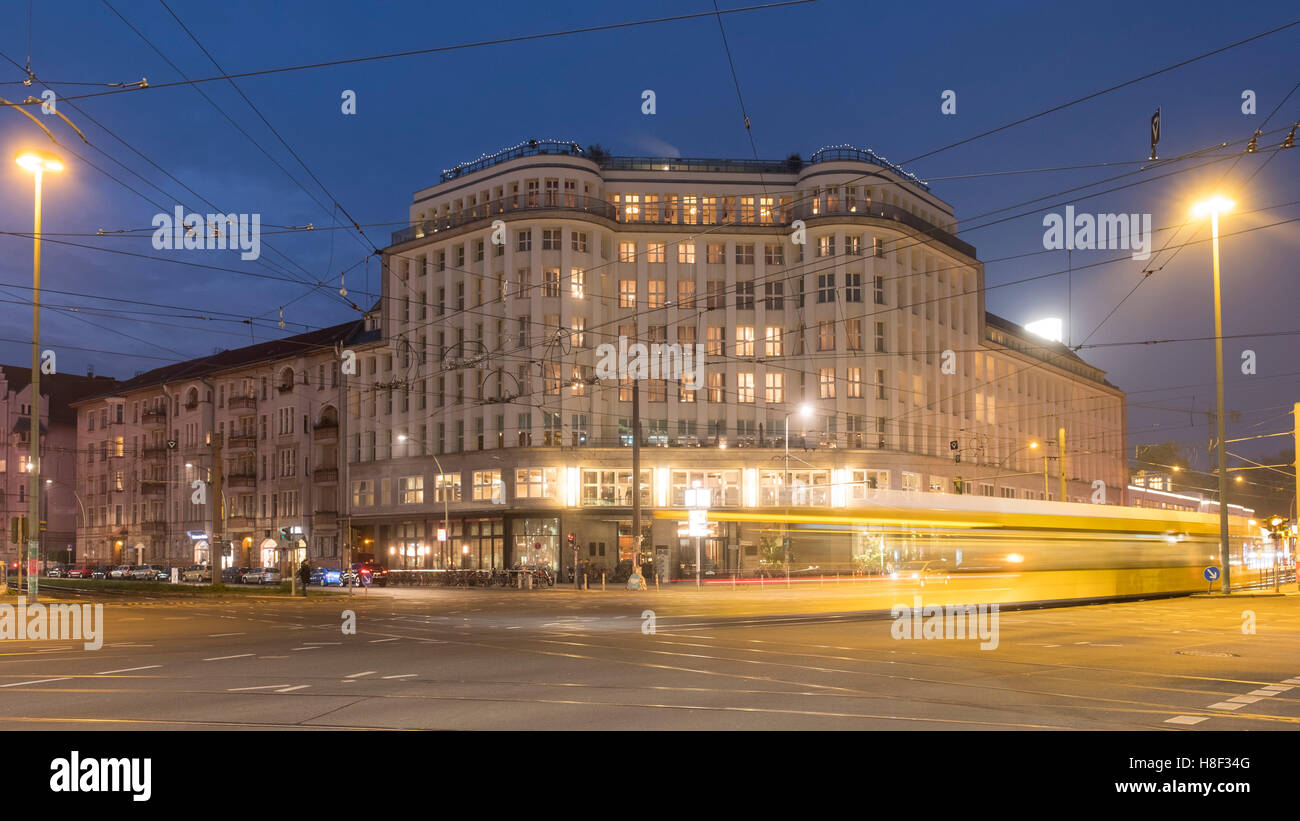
<point>305,648</point>
<point>291,689</point>
<point>1246,699</point>
<point>1186,719</point>
<point>377,641</point>
<point>223,658</point>
<point>39,681</point>
<point>219,635</point>
<point>366,673</point>
<point>122,644</point>
<point>1295,680</point>
<point>258,687</point>
<point>1264,693</point>
<point>1277,688</point>
<point>1223,705</point>
<point>273,657</point>
<point>403,675</point>
<point>129,669</point>
<point>322,642</point>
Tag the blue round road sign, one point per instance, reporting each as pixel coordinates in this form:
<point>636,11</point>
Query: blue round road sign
<point>1211,573</point>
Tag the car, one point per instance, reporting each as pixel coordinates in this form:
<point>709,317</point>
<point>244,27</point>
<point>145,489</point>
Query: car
<point>77,571</point>
<point>197,573</point>
<point>57,571</point>
<point>99,572</point>
<point>366,573</point>
<point>122,571</point>
<point>326,576</point>
<point>922,571</point>
<point>262,575</point>
<point>150,573</point>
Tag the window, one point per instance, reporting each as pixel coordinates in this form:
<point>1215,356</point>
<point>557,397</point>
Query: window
<point>853,287</point>
<point>715,253</point>
<point>880,337</point>
<point>478,251</point>
<point>627,252</point>
<point>579,335</point>
<point>686,293</point>
<point>550,282</point>
<point>853,334</point>
<point>826,382</point>
<point>826,335</point>
<point>878,246</point>
<point>745,254</point>
<point>656,291</point>
<point>487,486</point>
<point>880,383</point>
<point>627,293</point>
<point>577,282</point>
<point>410,490</point>
<point>773,340</point>
<point>825,288</point>
<point>715,294</point>
<point>580,241</point>
<point>715,340</point>
<point>551,239</point>
<point>536,483</point>
<point>854,378</point>
<point>775,389</point>
<point>363,493</point>
<point>686,253</point>
<point>826,246</point>
<point>774,296</point>
<point>654,251</point>
<point>446,487</point>
<point>774,254</point>
<point>853,245</point>
<point>745,340</point>
<point>745,296</point>
<point>524,240</point>
<point>744,387</point>
<point>717,382</point>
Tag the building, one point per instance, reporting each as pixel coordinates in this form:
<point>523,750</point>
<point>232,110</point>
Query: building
<point>266,414</point>
<point>61,507</point>
<point>837,283</point>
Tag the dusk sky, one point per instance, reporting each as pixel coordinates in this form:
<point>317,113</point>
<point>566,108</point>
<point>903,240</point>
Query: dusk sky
<point>815,74</point>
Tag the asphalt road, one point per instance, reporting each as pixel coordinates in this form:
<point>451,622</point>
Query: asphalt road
<point>557,659</point>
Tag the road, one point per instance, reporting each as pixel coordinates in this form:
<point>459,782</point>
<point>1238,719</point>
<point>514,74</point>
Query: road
<point>559,659</point>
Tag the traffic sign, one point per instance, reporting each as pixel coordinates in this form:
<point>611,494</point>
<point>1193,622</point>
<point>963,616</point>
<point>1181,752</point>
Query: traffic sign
<point>1211,573</point>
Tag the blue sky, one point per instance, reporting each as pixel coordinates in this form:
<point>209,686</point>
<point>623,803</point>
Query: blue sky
<point>822,73</point>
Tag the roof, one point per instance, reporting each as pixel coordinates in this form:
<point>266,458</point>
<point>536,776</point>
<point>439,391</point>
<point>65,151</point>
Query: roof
<point>1045,349</point>
<point>276,349</point>
<point>61,389</point>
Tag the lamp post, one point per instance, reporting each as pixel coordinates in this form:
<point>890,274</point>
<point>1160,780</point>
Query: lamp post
<point>1213,207</point>
<point>805,410</point>
<point>37,163</point>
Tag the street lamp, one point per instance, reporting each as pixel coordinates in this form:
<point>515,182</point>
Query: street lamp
<point>37,163</point>
<point>1213,207</point>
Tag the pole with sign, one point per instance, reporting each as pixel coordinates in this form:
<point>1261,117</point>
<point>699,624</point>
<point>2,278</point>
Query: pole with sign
<point>1155,132</point>
<point>698,500</point>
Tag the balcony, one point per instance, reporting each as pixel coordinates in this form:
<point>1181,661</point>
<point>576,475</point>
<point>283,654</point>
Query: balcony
<point>876,210</point>
<point>152,453</point>
<point>324,519</point>
<point>520,203</point>
<point>326,476</point>
<point>242,403</point>
<point>240,522</point>
<point>154,528</point>
<point>154,417</point>
<point>153,487</point>
<point>243,479</point>
<point>241,441</point>
<point>325,433</point>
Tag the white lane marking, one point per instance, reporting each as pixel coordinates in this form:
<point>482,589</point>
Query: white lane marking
<point>291,689</point>
<point>123,644</point>
<point>258,687</point>
<point>305,648</point>
<point>377,641</point>
<point>322,642</point>
<point>1295,680</point>
<point>359,675</point>
<point>223,658</point>
<point>404,675</point>
<point>38,681</point>
<point>1263,693</point>
<point>1277,688</point>
<point>1246,699</point>
<point>1186,719</point>
<point>1223,705</point>
<point>129,669</point>
<point>220,635</point>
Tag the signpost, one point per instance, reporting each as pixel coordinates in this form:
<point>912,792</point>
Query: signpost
<point>698,500</point>
<point>1211,574</point>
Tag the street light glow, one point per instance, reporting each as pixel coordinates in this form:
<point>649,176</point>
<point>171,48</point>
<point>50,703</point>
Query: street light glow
<point>39,161</point>
<point>806,411</point>
<point>1214,205</point>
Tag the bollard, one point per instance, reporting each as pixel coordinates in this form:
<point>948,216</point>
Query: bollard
<point>602,581</point>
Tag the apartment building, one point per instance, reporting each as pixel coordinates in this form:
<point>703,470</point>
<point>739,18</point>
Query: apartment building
<point>267,415</point>
<point>60,506</point>
<point>831,296</point>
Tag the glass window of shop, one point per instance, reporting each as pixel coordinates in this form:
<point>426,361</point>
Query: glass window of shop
<point>536,542</point>
<point>409,548</point>
<point>724,484</point>
<point>610,487</point>
<point>482,544</point>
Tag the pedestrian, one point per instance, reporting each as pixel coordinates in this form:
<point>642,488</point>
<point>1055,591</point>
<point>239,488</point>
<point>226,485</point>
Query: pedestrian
<point>304,574</point>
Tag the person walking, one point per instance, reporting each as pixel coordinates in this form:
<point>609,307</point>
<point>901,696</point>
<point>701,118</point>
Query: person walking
<point>304,574</point>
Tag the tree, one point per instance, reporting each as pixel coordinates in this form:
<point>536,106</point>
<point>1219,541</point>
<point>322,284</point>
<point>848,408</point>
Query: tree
<point>597,152</point>
<point>772,551</point>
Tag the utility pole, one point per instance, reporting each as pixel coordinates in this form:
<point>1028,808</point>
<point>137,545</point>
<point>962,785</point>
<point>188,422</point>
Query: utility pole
<point>1295,416</point>
<point>218,511</point>
<point>636,481</point>
<point>1060,443</point>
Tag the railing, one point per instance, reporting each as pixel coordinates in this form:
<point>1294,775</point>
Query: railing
<point>326,476</point>
<point>153,415</point>
<point>242,480</point>
<point>532,148</point>
<point>241,441</point>
<point>153,487</point>
<point>153,528</point>
<point>878,210</point>
<point>325,433</point>
<point>515,203</point>
<point>613,437</point>
<point>242,403</point>
<point>154,451</point>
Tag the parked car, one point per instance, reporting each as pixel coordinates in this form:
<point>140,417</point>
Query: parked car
<point>150,573</point>
<point>99,572</point>
<point>326,576</point>
<point>122,571</point>
<point>55,571</point>
<point>196,573</point>
<point>262,575</point>
<point>233,575</point>
<point>366,573</point>
<point>77,571</point>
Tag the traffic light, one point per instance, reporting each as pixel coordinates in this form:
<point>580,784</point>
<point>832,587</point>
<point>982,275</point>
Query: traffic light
<point>958,485</point>
<point>284,534</point>
<point>573,539</point>
<point>43,525</point>
<point>18,529</point>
